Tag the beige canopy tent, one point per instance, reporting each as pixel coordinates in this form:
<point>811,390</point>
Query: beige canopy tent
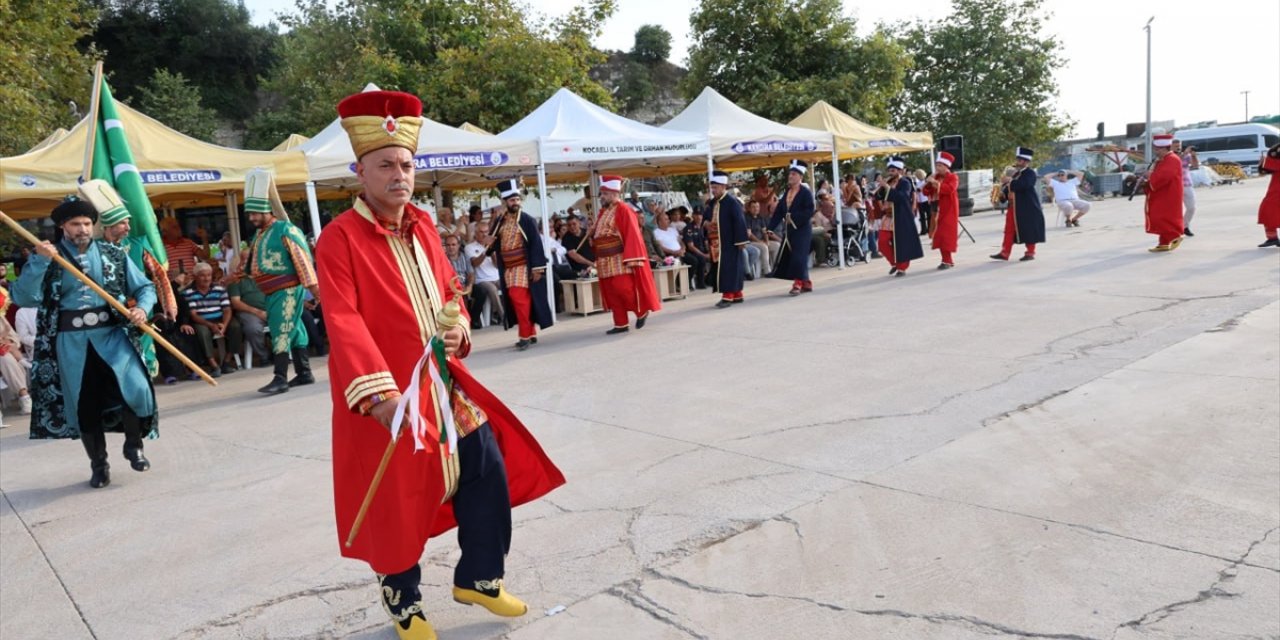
<point>291,142</point>
<point>857,139</point>
<point>471,128</point>
<point>178,171</point>
<point>57,135</point>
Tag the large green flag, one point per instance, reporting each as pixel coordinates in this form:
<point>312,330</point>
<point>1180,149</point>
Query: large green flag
<point>113,162</point>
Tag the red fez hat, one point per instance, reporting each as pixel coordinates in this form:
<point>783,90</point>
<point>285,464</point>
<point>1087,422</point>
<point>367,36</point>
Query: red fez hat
<point>377,119</point>
<point>946,158</point>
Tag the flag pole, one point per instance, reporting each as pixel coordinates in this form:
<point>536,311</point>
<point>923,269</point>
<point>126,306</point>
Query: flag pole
<point>115,304</point>
<point>96,95</point>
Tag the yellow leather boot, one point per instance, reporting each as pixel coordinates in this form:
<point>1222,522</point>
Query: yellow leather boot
<point>504,604</point>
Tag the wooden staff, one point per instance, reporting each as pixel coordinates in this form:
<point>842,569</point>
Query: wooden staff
<point>448,317</point>
<point>115,304</point>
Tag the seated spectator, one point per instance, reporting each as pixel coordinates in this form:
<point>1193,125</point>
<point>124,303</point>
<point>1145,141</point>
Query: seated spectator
<point>447,225</point>
<point>577,245</point>
<point>758,236</point>
<point>12,368</point>
<point>183,253</point>
<point>696,254</point>
<point>250,307</point>
<point>181,334</point>
<point>680,218</point>
<point>466,277</point>
<point>1066,193</point>
<point>486,274</point>
<point>219,335</point>
<point>313,322</point>
<point>668,238</point>
<point>25,324</point>
<point>823,225</point>
<point>227,253</point>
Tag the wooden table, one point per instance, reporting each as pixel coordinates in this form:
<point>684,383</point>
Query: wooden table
<point>582,296</point>
<point>672,282</point>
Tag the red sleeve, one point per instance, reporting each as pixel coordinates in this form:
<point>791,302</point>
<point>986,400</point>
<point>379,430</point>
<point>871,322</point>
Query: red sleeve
<point>629,228</point>
<point>948,186</point>
<point>356,365</point>
<point>1165,173</point>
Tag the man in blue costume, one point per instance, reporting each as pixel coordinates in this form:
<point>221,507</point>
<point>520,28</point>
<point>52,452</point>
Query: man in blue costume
<point>1024,219</point>
<point>899,241</point>
<point>518,253</point>
<point>87,376</point>
<point>727,235</point>
<point>795,208</point>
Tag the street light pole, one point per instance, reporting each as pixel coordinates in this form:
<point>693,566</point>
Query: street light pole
<point>1146,143</point>
<point>1246,104</point>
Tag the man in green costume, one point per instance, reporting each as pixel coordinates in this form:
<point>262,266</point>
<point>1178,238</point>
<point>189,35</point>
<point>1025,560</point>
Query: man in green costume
<point>279,261</point>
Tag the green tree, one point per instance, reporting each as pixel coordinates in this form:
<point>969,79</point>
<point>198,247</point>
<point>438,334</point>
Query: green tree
<point>485,61</point>
<point>41,68</point>
<point>653,44</point>
<point>776,58</point>
<point>171,99</point>
<point>212,43</point>
<point>984,72</point>
<point>636,86</point>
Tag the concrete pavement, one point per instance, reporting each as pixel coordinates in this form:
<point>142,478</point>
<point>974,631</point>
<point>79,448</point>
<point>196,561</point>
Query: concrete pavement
<point>1083,446</point>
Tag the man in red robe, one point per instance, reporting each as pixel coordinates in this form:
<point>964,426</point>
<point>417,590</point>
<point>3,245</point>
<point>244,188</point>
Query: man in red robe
<point>383,277</point>
<point>945,227</point>
<point>1164,195</point>
<point>1269,209</point>
<point>626,281</point>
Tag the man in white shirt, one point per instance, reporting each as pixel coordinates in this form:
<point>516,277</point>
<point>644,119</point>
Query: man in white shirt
<point>667,237</point>
<point>486,283</point>
<point>1065,185</point>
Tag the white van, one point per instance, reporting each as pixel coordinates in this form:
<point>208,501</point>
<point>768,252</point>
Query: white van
<point>1240,143</point>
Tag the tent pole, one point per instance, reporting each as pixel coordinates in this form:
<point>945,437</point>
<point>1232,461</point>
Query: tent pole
<point>437,194</point>
<point>233,218</point>
<point>593,184</point>
<point>314,208</point>
<point>549,274</point>
<point>835,187</point>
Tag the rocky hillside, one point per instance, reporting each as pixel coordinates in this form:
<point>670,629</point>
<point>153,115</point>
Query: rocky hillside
<point>647,93</point>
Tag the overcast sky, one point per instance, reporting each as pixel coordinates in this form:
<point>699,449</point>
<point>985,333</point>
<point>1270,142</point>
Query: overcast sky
<point>1204,54</point>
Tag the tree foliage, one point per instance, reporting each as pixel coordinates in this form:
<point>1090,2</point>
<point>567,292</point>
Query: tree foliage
<point>212,43</point>
<point>984,72</point>
<point>41,68</point>
<point>636,87</point>
<point>489,62</point>
<point>172,100</point>
<point>653,44</point>
<point>776,58</point>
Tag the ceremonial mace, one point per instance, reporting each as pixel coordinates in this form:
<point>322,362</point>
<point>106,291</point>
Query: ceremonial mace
<point>447,318</point>
<point>115,304</point>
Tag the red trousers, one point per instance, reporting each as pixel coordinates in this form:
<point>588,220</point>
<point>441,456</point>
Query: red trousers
<point>886,250</point>
<point>523,305</point>
<point>620,297</point>
<point>1271,232</point>
<point>1010,228</point>
<point>1166,238</point>
<point>946,257</point>
<point>731,295</point>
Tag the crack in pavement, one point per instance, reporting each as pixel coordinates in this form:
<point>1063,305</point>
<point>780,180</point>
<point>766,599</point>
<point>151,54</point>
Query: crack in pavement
<point>629,592</point>
<point>972,622</point>
<point>49,563</point>
<point>1214,591</point>
<point>239,617</point>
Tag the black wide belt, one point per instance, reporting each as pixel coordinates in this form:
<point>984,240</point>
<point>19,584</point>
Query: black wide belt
<point>85,319</point>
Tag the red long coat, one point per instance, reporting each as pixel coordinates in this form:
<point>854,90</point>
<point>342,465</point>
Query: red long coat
<point>1269,209</point>
<point>637,285</point>
<point>1164,197</point>
<point>380,297</point>
<point>946,236</point>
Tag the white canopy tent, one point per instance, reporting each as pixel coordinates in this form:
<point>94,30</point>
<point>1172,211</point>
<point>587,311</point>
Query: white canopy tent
<point>450,157</point>
<point>577,140</point>
<point>741,140</point>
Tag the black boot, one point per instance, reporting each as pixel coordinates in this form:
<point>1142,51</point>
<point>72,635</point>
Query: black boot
<point>95,444</point>
<point>278,382</point>
<point>302,367</point>
<point>133,443</point>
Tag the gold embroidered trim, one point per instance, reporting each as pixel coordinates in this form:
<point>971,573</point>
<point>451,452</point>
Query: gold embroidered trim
<point>361,386</point>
